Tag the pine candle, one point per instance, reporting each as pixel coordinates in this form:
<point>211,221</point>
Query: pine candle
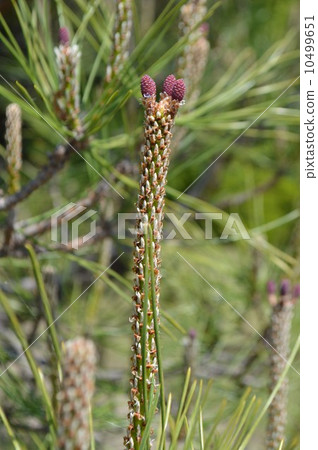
<point>155,157</point>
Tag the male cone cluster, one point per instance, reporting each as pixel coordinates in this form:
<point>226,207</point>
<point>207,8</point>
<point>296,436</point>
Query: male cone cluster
<point>122,34</point>
<point>66,99</point>
<point>75,395</point>
<point>194,58</point>
<point>282,314</point>
<point>13,139</point>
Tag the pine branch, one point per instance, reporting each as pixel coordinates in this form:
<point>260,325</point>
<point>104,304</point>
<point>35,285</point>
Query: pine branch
<point>57,160</point>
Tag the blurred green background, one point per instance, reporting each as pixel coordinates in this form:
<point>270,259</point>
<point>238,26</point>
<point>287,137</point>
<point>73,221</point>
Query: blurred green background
<point>253,59</point>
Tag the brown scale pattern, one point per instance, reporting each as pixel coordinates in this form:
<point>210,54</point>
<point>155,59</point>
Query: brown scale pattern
<point>155,157</point>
